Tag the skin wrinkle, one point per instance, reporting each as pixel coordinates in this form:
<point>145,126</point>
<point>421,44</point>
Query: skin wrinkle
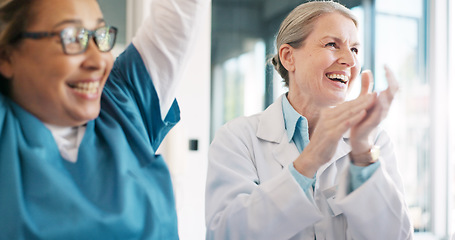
<point>331,48</point>
<point>307,92</point>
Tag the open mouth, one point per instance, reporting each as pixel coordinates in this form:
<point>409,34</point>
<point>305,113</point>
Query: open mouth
<point>338,77</point>
<point>85,87</point>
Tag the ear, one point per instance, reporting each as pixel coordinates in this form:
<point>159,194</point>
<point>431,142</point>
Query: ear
<point>6,67</point>
<point>286,57</point>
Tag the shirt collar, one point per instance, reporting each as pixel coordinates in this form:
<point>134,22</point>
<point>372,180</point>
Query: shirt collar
<point>292,118</point>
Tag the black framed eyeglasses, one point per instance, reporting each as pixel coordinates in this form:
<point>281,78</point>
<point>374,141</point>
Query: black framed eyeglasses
<point>75,40</point>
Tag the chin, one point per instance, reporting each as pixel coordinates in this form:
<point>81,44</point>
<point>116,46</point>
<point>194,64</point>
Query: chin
<point>81,119</point>
<point>91,116</point>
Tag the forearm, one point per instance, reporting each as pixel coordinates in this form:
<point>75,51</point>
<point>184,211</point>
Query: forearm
<point>164,42</point>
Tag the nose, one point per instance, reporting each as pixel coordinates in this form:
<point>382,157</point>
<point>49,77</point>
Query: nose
<point>94,59</point>
<point>348,58</point>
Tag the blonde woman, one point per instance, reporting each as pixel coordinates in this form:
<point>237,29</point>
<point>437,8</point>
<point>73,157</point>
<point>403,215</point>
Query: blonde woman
<point>312,165</point>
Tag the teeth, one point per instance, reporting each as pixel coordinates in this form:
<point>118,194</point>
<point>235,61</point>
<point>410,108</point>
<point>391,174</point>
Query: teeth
<point>86,87</point>
<point>340,77</point>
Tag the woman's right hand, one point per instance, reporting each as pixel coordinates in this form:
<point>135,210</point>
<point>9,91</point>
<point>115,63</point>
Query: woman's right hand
<point>332,124</point>
<point>360,134</point>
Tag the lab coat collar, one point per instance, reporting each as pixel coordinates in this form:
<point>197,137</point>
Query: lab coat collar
<point>271,123</point>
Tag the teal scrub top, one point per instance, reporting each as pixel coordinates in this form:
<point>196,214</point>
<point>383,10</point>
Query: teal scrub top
<point>117,189</point>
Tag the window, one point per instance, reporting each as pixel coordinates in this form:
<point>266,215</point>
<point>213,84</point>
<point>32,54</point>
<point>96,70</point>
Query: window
<point>238,83</point>
<point>400,43</point>
<point>451,120</point>
<point>115,15</point>
<point>238,60</point>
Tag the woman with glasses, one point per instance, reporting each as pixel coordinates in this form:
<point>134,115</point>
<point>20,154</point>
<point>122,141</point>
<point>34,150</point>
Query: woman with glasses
<point>312,165</point>
<point>78,131</point>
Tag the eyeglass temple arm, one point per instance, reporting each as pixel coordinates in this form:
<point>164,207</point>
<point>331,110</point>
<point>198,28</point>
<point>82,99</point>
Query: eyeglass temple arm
<point>37,35</point>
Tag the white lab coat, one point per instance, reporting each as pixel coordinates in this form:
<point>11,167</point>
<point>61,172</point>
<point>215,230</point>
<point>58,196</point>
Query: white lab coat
<point>252,195</point>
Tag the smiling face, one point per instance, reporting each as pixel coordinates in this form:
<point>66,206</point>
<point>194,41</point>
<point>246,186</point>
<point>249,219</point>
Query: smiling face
<point>57,88</point>
<point>323,68</point>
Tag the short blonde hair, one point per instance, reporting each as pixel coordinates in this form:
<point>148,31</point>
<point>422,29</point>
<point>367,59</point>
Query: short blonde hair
<point>299,24</point>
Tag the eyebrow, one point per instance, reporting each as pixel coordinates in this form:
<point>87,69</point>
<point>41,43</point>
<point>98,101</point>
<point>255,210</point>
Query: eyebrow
<point>355,44</point>
<point>76,21</point>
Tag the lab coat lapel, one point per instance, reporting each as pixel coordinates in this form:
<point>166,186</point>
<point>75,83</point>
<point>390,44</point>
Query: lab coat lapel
<point>285,152</point>
<point>343,149</point>
<point>271,129</point>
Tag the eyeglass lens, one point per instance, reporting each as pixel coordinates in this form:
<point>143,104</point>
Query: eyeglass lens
<point>75,40</point>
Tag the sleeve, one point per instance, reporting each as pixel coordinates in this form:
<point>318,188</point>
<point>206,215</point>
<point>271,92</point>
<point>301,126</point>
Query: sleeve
<point>377,209</point>
<point>2,108</point>
<point>241,206</point>
<point>140,89</point>
<point>164,42</point>
<point>304,182</point>
<point>130,97</point>
<point>359,175</point>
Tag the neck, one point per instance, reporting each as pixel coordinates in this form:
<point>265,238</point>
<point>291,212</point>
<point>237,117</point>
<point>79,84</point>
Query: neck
<point>305,106</point>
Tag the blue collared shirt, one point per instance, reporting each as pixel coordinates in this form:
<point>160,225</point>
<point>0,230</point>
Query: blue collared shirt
<point>296,127</point>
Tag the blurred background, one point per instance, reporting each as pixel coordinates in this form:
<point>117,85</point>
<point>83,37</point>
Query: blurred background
<point>229,76</point>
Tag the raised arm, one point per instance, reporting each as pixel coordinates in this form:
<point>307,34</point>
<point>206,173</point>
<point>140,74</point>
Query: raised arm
<point>164,42</point>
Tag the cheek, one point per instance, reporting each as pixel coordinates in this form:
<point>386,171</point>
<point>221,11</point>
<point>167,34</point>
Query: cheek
<point>55,73</point>
<point>109,62</point>
<point>62,67</point>
<point>45,59</point>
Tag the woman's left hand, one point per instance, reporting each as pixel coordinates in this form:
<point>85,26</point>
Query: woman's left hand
<point>360,133</point>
